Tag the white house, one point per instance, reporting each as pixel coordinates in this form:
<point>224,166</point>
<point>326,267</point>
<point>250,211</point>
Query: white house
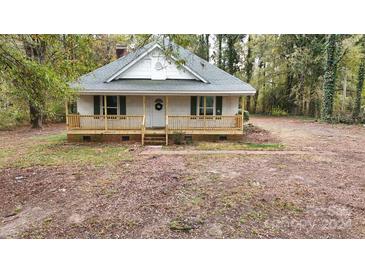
<point>155,92</point>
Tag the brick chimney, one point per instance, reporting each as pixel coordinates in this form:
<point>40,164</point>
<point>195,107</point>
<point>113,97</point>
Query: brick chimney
<point>121,50</point>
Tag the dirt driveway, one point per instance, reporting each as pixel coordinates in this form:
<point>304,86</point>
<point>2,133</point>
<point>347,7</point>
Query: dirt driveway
<point>51,189</point>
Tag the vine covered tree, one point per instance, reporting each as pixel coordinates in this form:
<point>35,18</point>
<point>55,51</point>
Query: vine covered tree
<point>360,82</point>
<point>329,78</point>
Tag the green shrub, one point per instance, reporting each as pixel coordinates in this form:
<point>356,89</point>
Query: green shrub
<point>178,138</point>
<point>246,115</point>
<point>11,117</point>
<point>277,111</point>
<point>346,119</point>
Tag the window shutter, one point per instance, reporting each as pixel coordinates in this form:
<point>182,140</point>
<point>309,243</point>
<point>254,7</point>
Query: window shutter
<point>122,105</point>
<point>218,105</point>
<point>193,105</point>
<point>96,105</point>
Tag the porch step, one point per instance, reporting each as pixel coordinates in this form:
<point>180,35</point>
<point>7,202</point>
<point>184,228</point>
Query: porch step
<point>154,139</point>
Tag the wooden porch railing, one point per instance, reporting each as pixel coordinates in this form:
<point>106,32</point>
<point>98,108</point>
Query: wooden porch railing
<point>138,122</point>
<point>97,122</point>
<point>208,122</point>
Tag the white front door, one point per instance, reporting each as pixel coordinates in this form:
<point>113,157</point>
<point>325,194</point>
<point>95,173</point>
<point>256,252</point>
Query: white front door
<point>155,111</point>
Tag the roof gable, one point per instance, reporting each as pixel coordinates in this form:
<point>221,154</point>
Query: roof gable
<point>155,65</point>
<point>212,79</point>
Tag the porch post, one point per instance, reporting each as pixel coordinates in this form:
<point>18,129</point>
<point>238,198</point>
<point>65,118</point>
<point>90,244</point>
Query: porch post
<point>205,105</point>
<point>167,119</point>
<point>66,106</point>
<point>144,119</point>
<point>105,114</point>
<point>242,110</point>
<point>204,111</point>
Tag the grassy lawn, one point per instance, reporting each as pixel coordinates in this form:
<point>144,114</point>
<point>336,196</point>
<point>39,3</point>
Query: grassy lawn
<point>53,150</point>
<point>5,155</point>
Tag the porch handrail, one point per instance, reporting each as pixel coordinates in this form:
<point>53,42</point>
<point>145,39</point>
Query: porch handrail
<point>204,122</point>
<point>112,122</point>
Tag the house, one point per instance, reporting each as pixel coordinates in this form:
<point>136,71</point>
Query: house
<point>155,92</point>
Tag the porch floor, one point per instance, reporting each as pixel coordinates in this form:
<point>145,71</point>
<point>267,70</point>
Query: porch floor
<point>157,131</point>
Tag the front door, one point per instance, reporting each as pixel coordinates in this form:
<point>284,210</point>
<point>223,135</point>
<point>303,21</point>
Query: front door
<point>155,112</point>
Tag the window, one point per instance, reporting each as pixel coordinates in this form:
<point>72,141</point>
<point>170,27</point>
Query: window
<point>209,105</point>
<point>72,108</point>
<point>111,103</point>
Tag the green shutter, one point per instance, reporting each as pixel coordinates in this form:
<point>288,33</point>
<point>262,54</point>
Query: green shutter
<point>193,104</point>
<point>122,105</point>
<point>218,105</point>
<point>96,105</point>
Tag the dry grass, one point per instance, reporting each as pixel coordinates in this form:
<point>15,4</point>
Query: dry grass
<point>237,146</point>
<point>51,189</point>
<point>53,150</point>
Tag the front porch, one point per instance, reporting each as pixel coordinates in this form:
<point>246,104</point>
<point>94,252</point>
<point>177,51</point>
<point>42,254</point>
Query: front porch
<point>168,123</point>
<point>135,124</point>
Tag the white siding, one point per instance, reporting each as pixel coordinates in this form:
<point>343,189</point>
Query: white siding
<point>134,105</point>
<point>230,105</point>
<point>141,70</point>
<point>85,105</point>
<point>156,66</point>
<point>177,105</point>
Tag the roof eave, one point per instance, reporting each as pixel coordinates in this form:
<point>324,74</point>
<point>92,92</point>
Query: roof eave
<point>167,92</point>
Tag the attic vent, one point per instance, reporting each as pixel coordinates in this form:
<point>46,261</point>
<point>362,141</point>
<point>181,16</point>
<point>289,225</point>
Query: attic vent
<point>203,65</point>
<point>158,66</point>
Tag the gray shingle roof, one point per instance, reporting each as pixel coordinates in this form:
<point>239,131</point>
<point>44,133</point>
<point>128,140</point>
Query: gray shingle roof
<point>218,80</point>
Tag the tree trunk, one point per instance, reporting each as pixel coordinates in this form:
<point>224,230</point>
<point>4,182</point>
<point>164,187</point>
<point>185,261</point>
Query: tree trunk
<point>248,103</point>
<point>301,96</point>
<point>207,47</point>
<point>220,38</point>
<point>35,48</point>
<point>360,85</point>
<point>230,51</point>
<point>35,117</point>
<point>255,101</point>
<point>288,89</point>
<point>344,91</point>
<point>329,78</point>
<point>248,70</point>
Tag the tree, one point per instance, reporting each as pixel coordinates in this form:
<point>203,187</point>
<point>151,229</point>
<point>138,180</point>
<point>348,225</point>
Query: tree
<point>38,68</point>
<point>219,54</point>
<point>230,54</point>
<point>360,82</point>
<point>203,47</point>
<point>23,62</point>
<point>329,78</point>
<point>248,69</point>
<point>359,89</point>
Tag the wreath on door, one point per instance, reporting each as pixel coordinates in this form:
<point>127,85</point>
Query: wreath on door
<point>158,104</point>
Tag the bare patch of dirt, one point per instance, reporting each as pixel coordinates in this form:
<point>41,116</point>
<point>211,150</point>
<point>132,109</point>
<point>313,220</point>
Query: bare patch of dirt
<point>319,193</point>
